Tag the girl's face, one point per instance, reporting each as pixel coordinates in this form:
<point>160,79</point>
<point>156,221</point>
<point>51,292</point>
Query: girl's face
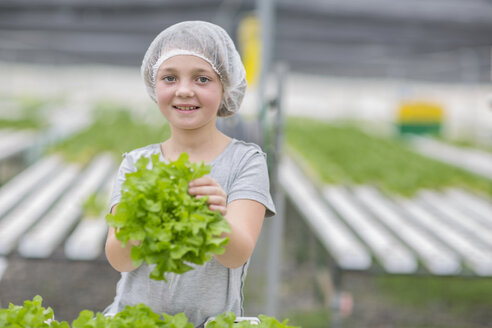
<point>189,92</point>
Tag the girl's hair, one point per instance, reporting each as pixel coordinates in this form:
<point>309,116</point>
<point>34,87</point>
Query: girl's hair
<point>207,41</point>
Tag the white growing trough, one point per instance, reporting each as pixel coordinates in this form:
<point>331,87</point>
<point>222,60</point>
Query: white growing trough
<point>436,257</point>
<point>49,232</point>
<point>473,160</point>
<point>13,142</point>
<point>25,214</point>
<point>87,240</point>
<point>394,256</point>
<point>22,184</point>
<point>475,255</point>
<point>345,247</point>
<point>41,207</point>
<point>438,233</point>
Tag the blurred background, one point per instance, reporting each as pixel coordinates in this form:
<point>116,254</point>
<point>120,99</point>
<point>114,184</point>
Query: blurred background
<point>394,96</point>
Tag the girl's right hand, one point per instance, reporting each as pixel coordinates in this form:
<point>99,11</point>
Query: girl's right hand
<point>207,187</point>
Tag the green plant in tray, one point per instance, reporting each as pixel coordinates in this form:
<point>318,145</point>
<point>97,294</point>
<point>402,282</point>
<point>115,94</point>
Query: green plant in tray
<point>175,228</point>
<point>227,320</point>
<point>140,316</point>
<point>32,314</point>
<point>94,205</point>
<point>109,131</point>
<point>342,153</point>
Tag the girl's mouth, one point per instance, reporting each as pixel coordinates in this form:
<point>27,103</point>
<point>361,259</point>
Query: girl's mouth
<point>186,108</point>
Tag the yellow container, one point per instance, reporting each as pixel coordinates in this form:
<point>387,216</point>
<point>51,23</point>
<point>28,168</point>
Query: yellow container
<point>420,117</point>
<point>420,111</point>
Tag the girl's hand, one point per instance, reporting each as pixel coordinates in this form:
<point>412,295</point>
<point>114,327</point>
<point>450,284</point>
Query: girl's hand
<point>207,186</point>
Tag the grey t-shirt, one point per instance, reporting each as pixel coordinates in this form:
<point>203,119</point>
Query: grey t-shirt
<point>209,289</point>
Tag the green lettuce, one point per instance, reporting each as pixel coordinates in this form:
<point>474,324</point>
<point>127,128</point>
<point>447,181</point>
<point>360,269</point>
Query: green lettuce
<point>140,316</point>
<point>175,228</point>
<point>32,315</point>
<point>227,320</point>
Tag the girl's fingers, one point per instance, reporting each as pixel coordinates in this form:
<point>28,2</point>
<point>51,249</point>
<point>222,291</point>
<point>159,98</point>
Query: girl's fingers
<point>222,209</point>
<point>206,191</point>
<point>208,187</point>
<point>203,181</point>
<point>205,186</point>
<point>216,200</point>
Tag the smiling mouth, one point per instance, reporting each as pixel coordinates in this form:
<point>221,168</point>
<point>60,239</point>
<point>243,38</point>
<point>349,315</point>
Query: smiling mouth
<point>186,108</point>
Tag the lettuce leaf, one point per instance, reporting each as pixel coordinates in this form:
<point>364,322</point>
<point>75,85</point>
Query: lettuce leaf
<point>32,314</point>
<point>175,228</point>
<point>140,316</point>
<point>227,320</point>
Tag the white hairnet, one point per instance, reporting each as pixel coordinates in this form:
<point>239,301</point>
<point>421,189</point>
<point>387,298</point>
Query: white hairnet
<point>207,41</point>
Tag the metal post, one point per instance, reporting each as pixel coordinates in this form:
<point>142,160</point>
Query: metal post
<point>266,13</point>
<point>276,228</point>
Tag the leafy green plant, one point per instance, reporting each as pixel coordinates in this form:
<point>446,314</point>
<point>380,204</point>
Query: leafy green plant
<point>94,205</point>
<point>140,316</point>
<point>26,112</point>
<point>341,153</point>
<point>22,123</point>
<point>271,322</point>
<point>227,320</point>
<point>114,129</point>
<point>32,314</point>
<point>175,228</point>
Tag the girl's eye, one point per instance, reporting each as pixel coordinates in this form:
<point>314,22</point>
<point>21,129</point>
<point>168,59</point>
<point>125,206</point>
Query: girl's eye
<point>169,78</point>
<point>203,79</point>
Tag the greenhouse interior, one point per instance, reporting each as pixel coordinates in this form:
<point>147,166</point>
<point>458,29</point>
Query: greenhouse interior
<point>375,117</point>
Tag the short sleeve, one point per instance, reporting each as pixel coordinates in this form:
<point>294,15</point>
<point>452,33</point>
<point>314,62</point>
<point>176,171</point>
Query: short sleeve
<point>127,165</point>
<point>252,182</point>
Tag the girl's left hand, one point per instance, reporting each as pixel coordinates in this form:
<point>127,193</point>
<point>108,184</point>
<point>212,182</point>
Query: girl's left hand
<point>207,186</point>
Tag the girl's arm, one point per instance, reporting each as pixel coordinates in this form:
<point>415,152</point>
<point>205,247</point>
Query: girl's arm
<point>118,256</point>
<point>244,216</point>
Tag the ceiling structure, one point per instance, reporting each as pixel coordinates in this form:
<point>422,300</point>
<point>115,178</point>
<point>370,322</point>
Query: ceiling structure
<point>442,40</point>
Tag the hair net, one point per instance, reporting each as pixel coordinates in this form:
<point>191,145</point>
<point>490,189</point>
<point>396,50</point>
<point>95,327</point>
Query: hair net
<point>207,41</point>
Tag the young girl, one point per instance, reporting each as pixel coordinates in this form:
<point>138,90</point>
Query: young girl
<point>194,73</point>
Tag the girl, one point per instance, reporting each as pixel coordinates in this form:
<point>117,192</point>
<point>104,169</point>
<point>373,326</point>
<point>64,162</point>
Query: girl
<point>194,74</point>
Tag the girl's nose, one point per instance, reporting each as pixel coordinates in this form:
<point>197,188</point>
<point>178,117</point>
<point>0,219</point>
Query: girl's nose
<point>184,90</point>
